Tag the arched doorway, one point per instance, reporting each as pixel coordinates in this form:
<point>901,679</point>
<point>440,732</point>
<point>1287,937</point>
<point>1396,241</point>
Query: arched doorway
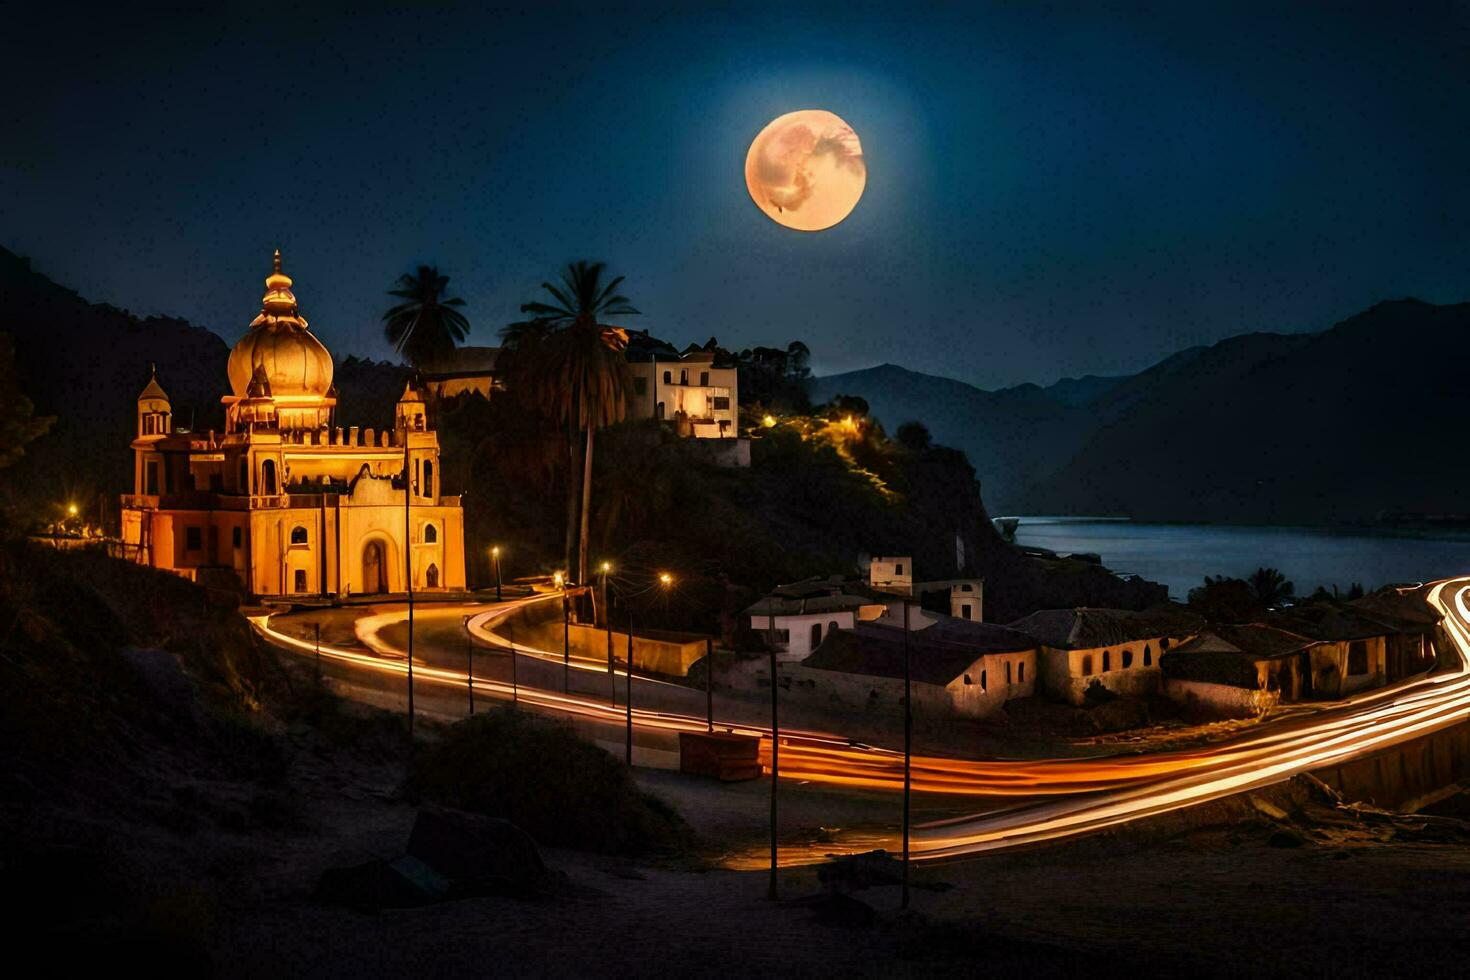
<point>374,567</point>
<point>431,577</point>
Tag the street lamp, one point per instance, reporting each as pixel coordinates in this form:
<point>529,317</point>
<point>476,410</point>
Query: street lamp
<point>495,560</point>
<point>612,674</point>
<point>665,580</point>
<point>566,634</point>
<point>71,510</point>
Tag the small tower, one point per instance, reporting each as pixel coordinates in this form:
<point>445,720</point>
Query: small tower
<point>411,417</point>
<point>967,600</point>
<point>155,414</point>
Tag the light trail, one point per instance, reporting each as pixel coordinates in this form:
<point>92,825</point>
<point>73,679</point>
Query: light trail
<point>1084,795</point>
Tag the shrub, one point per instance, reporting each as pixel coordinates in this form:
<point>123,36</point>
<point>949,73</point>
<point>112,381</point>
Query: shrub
<point>539,775</point>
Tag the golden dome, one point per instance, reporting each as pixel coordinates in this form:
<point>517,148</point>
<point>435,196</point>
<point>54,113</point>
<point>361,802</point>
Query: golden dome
<point>294,361</point>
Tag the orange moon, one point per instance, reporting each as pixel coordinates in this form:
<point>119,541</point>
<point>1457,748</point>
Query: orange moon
<point>805,170</point>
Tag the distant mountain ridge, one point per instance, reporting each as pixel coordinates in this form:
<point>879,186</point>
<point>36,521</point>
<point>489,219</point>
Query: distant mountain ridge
<point>1340,425</point>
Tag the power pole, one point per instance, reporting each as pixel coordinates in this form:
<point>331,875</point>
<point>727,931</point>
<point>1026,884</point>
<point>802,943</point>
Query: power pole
<point>628,692</point>
<point>709,682</point>
<point>775,739</point>
<point>908,737</point>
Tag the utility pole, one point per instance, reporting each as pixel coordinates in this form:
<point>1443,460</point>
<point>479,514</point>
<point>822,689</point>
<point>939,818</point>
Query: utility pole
<point>908,738</point>
<point>628,692</point>
<point>495,557</point>
<point>408,565</point>
<point>612,674</point>
<point>317,629</point>
<point>469,663</point>
<point>775,738</point>
<point>709,682</point>
<point>510,628</point>
<point>566,643</point>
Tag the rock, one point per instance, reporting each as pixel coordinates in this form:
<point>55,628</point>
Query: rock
<point>476,854</point>
<point>1286,838</point>
<point>833,909</point>
<point>855,872</point>
<point>371,886</point>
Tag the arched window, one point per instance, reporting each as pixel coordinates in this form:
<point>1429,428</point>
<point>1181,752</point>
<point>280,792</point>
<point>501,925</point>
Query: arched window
<point>660,410</point>
<point>982,679</point>
<point>1107,661</point>
<point>428,478</point>
<point>1008,671</point>
<point>668,377</point>
<point>1148,655</point>
<point>431,533</point>
<point>831,626</point>
<point>683,376</point>
<point>816,635</point>
<point>268,477</point>
<point>1127,658</point>
<point>1086,664</point>
<point>298,535</point>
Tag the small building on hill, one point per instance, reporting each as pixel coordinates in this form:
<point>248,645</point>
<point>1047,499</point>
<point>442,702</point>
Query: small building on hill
<point>696,392</point>
<point>465,370</point>
<point>959,668</point>
<point>1409,648</point>
<point>1118,649</point>
<point>1239,671</point>
<point>799,616</point>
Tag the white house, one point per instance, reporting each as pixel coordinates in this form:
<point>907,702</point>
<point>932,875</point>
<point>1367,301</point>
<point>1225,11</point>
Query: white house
<point>800,616</point>
<point>697,391</point>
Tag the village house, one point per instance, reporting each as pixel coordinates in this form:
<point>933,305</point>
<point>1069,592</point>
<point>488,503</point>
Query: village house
<point>958,668</point>
<point>1409,648</point>
<point>1239,671</point>
<point>1352,650</point>
<point>696,392</point>
<point>796,618</point>
<point>285,502</point>
<point>1117,649</point>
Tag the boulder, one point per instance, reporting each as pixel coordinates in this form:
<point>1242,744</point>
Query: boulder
<point>855,872</point>
<point>477,854</point>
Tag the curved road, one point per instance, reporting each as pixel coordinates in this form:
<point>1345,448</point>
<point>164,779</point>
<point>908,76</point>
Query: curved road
<point>1080,795</point>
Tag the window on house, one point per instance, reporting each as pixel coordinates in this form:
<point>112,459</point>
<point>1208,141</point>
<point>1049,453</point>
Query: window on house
<point>1086,664</point>
<point>431,533</point>
<point>235,536</point>
<point>1008,671</point>
<point>898,569</point>
<point>640,386</point>
<point>722,404</point>
<point>816,635</point>
<point>1107,661</point>
<point>428,478</point>
<point>704,378</point>
<point>1357,657</point>
<point>832,625</point>
<point>660,409</point>
<point>268,477</point>
<point>967,679</point>
<point>1148,656</point>
<point>965,587</point>
<point>1127,658</point>
<point>193,538</point>
<point>150,478</point>
<point>1164,644</point>
<point>1021,672</point>
<point>982,679</point>
<point>668,378</point>
<point>431,577</point>
<point>300,583</point>
<point>683,376</point>
<point>298,535</point>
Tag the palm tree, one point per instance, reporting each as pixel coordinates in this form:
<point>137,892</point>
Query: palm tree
<point>573,370</point>
<point>426,327</point>
<point>1270,587</point>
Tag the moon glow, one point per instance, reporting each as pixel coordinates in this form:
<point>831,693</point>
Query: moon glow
<point>805,170</point>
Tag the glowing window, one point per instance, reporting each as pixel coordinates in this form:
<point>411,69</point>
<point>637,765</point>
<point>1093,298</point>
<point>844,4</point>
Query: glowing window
<point>431,533</point>
<point>298,535</point>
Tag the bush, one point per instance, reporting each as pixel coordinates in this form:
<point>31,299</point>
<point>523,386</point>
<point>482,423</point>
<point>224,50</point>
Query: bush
<point>540,776</point>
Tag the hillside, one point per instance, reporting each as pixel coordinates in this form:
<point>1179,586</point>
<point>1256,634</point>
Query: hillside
<point>1311,428</point>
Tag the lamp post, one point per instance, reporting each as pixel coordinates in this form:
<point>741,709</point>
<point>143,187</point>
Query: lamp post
<point>628,692</point>
<point>709,683</point>
<point>495,560</point>
<point>566,635</point>
<point>612,674</point>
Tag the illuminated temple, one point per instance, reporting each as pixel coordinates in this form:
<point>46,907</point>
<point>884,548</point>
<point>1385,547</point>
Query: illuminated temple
<point>285,502</point>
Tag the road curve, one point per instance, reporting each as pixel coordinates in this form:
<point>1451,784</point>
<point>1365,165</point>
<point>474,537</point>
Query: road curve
<point>1083,795</point>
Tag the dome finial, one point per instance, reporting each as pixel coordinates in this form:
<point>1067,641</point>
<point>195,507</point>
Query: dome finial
<point>278,262</point>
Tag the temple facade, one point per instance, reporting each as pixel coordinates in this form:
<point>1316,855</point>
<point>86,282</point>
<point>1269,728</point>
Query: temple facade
<point>285,502</point>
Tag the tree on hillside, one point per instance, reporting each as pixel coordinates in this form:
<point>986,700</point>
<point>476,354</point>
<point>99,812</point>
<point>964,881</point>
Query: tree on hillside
<point>570,366</point>
<point>1270,587</point>
<point>798,362</point>
<point>425,327</point>
<point>19,424</point>
<point>1225,600</point>
<point>914,436</point>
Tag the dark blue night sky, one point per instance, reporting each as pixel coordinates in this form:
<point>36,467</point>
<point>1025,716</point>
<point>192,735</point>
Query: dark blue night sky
<point>1050,191</point>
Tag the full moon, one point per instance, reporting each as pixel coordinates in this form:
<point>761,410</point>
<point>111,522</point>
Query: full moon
<point>805,170</point>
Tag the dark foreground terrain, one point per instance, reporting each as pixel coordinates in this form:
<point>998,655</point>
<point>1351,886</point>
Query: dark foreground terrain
<point>174,803</point>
